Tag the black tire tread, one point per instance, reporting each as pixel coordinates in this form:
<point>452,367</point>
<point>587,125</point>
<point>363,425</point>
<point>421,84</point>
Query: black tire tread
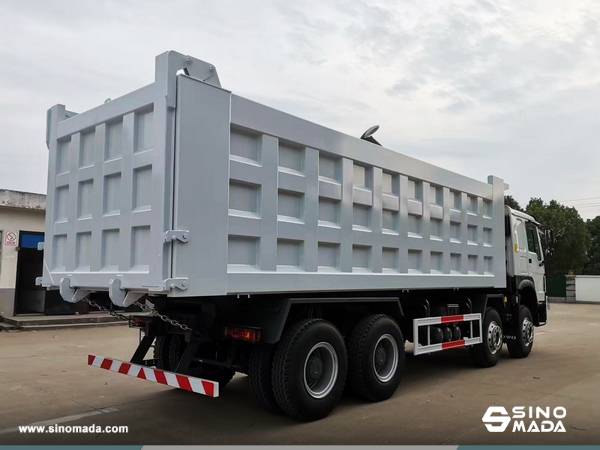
<point>282,361</point>
<point>356,346</point>
<point>260,373</point>
<point>175,351</point>
<point>161,352</point>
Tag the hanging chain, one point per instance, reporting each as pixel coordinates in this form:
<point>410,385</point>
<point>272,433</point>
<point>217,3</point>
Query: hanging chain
<point>162,317</point>
<point>145,308</point>
<point>102,308</point>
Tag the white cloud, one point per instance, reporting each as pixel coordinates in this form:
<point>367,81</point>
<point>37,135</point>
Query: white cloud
<point>480,87</point>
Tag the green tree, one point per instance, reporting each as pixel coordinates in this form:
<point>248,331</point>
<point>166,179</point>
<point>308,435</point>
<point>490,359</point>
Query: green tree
<point>593,265</point>
<point>573,238</point>
<point>509,200</point>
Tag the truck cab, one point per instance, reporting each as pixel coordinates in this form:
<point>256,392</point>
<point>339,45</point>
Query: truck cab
<point>526,250</point>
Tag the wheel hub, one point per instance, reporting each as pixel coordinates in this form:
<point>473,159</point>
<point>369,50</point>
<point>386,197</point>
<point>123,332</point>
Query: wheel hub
<point>527,332</point>
<point>380,355</point>
<point>315,368</point>
<point>320,370</point>
<point>494,337</point>
<point>385,358</point>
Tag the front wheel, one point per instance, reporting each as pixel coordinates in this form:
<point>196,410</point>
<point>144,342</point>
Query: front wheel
<point>309,369</point>
<point>523,344</point>
<point>487,353</point>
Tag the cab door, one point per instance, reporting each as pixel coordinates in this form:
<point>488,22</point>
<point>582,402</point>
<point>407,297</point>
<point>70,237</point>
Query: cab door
<point>521,249</point>
<point>535,260</point>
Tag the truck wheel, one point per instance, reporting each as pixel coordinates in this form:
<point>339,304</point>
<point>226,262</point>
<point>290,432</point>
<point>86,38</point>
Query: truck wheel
<point>259,371</point>
<point>309,369</point>
<point>161,352</point>
<point>375,357</point>
<point>221,375</point>
<point>522,346</point>
<point>487,353</point>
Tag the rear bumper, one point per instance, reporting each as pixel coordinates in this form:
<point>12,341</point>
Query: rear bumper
<point>192,384</point>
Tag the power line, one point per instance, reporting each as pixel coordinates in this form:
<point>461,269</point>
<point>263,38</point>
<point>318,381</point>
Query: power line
<point>578,200</point>
<point>586,206</point>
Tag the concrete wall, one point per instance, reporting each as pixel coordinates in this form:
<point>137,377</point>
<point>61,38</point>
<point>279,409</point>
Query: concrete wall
<point>15,220</point>
<point>587,288</point>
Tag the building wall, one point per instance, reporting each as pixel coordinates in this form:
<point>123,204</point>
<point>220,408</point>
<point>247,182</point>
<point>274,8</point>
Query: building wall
<point>15,220</point>
<point>587,288</point>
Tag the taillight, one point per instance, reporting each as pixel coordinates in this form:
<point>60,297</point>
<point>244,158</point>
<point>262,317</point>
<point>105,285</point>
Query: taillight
<point>243,334</point>
<point>138,321</point>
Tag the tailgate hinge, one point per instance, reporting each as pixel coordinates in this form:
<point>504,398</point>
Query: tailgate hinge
<point>176,235</point>
<point>179,283</point>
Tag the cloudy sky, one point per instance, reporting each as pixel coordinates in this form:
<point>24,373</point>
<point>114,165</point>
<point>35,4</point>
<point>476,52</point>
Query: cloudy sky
<point>480,87</point>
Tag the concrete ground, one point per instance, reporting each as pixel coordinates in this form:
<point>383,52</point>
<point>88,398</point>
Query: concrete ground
<point>44,377</point>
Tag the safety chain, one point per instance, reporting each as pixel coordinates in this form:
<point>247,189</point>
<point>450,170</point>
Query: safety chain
<point>162,317</point>
<point>102,308</point>
<point>145,308</point>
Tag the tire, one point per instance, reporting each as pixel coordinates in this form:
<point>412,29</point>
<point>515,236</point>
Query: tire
<point>161,352</point>
<point>259,372</point>
<point>309,369</point>
<point>522,346</point>
<point>488,352</point>
<point>221,375</point>
<point>375,336</point>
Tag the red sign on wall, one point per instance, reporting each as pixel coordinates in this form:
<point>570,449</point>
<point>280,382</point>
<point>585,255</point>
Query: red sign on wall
<point>11,239</point>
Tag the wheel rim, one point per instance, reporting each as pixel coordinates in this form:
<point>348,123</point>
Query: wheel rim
<point>320,370</point>
<point>385,358</point>
<point>527,332</point>
<point>494,337</point>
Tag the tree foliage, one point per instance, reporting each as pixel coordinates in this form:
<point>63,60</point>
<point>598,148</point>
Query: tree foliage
<point>573,238</point>
<point>509,200</point>
<point>593,265</point>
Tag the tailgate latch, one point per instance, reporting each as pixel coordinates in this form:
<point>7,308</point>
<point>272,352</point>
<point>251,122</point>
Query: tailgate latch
<point>177,235</point>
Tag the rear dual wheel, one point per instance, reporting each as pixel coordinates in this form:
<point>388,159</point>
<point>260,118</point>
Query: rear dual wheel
<point>308,366</point>
<point>376,357</point>
<point>309,369</point>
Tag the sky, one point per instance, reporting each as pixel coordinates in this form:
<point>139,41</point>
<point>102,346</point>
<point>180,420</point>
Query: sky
<point>479,87</point>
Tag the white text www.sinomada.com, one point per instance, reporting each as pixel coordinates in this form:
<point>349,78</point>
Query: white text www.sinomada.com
<point>72,429</point>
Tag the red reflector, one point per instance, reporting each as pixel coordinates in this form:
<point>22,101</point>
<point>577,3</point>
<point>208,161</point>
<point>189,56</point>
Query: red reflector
<point>244,334</point>
<point>138,321</point>
<point>450,319</point>
<point>453,344</point>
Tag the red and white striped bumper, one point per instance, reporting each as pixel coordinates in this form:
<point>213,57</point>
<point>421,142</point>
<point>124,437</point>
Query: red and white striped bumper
<point>428,321</point>
<point>193,384</point>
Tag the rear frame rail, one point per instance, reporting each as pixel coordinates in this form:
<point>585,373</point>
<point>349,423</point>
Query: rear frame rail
<point>430,321</point>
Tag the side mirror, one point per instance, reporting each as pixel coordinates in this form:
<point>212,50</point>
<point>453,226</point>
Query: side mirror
<point>550,241</point>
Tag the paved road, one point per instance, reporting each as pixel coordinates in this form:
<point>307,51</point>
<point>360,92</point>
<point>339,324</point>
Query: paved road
<point>44,377</point>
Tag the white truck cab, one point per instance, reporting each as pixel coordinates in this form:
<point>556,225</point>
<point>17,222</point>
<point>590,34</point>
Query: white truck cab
<point>525,260</point>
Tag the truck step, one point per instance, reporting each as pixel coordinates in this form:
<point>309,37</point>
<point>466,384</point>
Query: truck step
<point>186,382</point>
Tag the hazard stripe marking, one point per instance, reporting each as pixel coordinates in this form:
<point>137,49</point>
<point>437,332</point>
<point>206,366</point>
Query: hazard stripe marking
<point>106,364</point>
<point>192,384</point>
<point>453,344</point>
<point>160,377</point>
<point>184,383</point>
<point>450,319</point>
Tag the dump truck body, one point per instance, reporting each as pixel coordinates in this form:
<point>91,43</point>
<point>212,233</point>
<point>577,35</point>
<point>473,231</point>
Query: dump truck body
<point>186,189</point>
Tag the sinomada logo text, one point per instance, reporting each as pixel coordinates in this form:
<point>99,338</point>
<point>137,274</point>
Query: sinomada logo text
<point>544,420</point>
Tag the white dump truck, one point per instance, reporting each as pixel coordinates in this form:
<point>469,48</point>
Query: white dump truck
<point>265,244</point>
